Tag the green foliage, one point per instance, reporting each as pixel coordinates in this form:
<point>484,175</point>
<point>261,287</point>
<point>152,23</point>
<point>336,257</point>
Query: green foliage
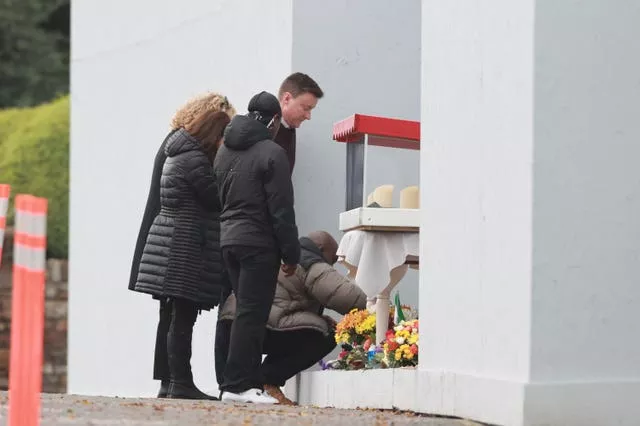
<point>34,51</point>
<point>9,120</point>
<point>35,160</point>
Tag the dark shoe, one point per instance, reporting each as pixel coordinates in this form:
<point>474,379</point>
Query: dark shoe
<point>187,391</point>
<point>164,389</point>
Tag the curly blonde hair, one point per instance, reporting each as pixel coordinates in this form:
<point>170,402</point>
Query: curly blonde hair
<point>194,107</point>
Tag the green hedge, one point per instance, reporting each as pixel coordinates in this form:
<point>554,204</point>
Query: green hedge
<point>34,147</point>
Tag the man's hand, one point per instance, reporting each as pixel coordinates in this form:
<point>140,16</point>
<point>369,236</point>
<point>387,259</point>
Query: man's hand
<point>289,269</point>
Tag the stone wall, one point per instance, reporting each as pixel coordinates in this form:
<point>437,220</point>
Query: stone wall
<point>55,334</point>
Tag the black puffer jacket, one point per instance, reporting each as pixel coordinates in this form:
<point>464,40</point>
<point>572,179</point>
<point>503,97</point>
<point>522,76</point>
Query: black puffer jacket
<point>181,257</point>
<point>256,194</point>
<point>151,210</point>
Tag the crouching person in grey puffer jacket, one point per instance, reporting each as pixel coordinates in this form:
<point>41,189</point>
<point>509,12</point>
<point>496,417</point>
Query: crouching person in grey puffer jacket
<point>297,336</point>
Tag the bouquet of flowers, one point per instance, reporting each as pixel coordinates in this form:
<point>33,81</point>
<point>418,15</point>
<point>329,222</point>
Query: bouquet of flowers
<point>356,327</point>
<point>400,348</point>
<point>354,333</point>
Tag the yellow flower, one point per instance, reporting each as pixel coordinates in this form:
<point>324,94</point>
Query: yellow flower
<point>398,355</point>
<point>413,339</point>
<point>352,320</point>
<point>403,333</point>
<point>367,325</point>
<point>342,337</point>
<point>409,355</point>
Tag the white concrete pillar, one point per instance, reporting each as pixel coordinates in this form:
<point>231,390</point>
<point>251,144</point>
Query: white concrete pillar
<point>529,290</point>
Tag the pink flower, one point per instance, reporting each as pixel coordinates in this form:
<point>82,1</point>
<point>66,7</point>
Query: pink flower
<point>414,349</point>
<point>367,344</point>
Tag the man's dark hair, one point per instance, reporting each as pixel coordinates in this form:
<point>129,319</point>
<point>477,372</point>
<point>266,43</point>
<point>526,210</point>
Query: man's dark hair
<point>298,84</point>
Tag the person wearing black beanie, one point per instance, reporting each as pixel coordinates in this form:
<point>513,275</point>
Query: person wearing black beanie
<point>258,236</point>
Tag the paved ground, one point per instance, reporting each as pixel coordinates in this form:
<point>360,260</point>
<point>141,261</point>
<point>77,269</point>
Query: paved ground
<point>78,410</point>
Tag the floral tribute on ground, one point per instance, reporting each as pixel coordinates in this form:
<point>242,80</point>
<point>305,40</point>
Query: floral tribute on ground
<point>356,334</point>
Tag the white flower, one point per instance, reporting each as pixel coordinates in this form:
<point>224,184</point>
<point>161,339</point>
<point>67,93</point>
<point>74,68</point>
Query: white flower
<point>400,340</point>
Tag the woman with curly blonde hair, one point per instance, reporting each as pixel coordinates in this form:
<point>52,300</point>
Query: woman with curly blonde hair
<point>195,129</point>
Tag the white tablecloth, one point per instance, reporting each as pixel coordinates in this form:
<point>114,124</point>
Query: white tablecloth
<point>375,254</point>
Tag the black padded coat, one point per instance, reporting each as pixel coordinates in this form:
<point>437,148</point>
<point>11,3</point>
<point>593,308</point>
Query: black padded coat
<point>181,256</point>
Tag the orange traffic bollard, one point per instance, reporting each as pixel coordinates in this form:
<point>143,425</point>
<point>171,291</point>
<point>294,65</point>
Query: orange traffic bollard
<point>5,191</point>
<point>27,311</point>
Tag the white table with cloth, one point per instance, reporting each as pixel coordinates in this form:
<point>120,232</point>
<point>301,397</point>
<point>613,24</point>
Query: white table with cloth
<point>377,261</point>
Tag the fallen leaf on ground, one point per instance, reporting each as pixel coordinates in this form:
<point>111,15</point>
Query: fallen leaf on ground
<point>132,404</point>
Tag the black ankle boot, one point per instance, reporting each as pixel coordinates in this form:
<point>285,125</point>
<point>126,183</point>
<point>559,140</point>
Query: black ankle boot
<point>164,389</point>
<point>182,390</point>
<point>184,315</point>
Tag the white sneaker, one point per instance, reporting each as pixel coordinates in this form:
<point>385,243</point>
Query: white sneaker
<point>255,396</point>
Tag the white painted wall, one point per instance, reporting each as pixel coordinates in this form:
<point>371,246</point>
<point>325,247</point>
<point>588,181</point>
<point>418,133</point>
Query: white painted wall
<point>362,70</point>
<point>132,68</point>
<point>366,57</point>
<point>586,218</point>
<point>133,64</point>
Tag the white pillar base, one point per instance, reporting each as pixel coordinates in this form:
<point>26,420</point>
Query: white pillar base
<point>565,404</point>
<point>382,389</point>
<point>595,403</point>
<point>460,395</point>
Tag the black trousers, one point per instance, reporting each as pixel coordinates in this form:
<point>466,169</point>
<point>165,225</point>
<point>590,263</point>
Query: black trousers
<point>253,273</point>
<point>161,358</point>
<point>172,359</point>
<point>288,352</point>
